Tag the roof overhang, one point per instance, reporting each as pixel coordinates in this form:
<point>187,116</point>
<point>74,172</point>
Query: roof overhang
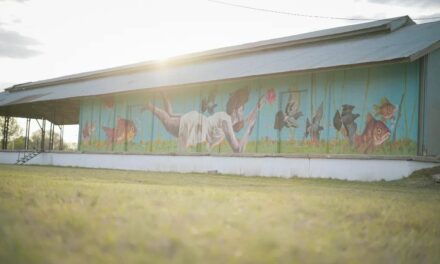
<point>59,112</point>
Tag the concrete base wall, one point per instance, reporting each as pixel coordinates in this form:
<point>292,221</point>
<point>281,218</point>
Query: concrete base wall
<point>340,168</point>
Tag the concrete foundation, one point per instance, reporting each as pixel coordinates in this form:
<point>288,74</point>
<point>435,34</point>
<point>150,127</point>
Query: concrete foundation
<point>361,169</point>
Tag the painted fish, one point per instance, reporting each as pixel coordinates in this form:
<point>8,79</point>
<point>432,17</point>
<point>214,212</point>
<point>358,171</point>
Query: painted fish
<point>385,109</point>
<point>124,130</point>
<point>346,120</point>
<point>375,134</point>
<point>108,102</point>
<point>290,116</point>
<point>271,96</point>
<point>313,128</point>
<point>87,131</point>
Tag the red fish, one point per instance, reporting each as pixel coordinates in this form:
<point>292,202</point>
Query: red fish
<point>375,134</point>
<point>124,130</point>
<point>271,95</point>
<point>87,131</point>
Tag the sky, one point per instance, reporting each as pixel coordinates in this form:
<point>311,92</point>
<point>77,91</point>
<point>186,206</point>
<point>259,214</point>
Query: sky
<point>41,39</point>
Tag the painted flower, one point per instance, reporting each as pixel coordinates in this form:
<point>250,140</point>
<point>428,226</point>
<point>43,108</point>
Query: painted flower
<point>271,95</point>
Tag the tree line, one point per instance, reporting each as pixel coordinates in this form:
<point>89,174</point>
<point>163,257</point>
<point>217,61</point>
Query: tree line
<point>17,140</point>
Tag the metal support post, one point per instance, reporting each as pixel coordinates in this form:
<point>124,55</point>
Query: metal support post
<point>51,135</point>
<point>27,139</point>
<point>5,133</point>
<point>61,136</point>
<point>43,133</point>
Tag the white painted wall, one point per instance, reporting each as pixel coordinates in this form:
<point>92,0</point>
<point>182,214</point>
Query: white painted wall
<point>8,157</point>
<point>346,169</point>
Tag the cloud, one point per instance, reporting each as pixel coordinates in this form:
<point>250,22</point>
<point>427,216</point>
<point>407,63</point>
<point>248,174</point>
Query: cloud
<point>424,18</point>
<point>20,1</point>
<point>377,16</point>
<point>4,85</point>
<point>418,19</point>
<point>408,3</point>
<point>14,45</point>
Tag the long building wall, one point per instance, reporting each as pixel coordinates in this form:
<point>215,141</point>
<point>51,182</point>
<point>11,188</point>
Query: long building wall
<point>369,110</point>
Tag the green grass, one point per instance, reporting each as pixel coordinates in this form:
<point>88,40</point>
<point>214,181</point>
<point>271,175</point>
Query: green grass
<point>71,215</point>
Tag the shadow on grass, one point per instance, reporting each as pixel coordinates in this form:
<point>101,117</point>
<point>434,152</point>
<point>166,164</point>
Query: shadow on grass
<point>421,179</point>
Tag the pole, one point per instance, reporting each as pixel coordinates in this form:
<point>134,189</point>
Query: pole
<point>43,134</point>
<point>61,136</point>
<point>26,139</point>
<point>51,134</point>
<point>5,133</point>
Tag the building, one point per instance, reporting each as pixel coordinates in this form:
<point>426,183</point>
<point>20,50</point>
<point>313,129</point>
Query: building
<point>354,102</point>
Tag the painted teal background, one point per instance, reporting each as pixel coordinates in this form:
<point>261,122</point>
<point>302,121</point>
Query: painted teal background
<point>362,87</point>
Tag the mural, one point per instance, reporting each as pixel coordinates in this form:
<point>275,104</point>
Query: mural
<point>87,132</point>
<point>288,118</point>
<point>375,134</point>
<point>192,128</point>
<point>358,111</point>
<point>346,121</point>
<point>124,131</point>
<point>314,129</point>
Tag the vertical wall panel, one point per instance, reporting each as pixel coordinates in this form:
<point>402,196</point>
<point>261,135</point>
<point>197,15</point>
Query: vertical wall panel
<point>432,105</point>
<point>107,122</point>
<point>88,128</point>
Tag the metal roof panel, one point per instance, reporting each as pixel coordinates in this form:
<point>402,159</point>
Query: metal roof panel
<point>401,45</point>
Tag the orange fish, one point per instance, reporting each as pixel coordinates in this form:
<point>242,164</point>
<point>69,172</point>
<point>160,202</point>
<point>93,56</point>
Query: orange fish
<point>385,109</point>
<point>124,130</point>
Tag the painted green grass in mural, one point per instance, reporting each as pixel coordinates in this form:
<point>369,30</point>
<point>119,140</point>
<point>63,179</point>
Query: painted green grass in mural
<point>265,146</point>
<point>71,215</point>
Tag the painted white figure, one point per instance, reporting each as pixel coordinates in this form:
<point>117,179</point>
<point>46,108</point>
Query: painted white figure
<point>193,128</point>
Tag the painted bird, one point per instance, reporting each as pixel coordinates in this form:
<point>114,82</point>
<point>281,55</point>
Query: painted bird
<point>347,120</point>
<point>290,116</point>
<point>313,128</point>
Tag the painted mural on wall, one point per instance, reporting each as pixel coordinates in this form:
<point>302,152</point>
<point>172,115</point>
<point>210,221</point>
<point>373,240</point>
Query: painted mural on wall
<point>193,127</point>
<point>357,111</point>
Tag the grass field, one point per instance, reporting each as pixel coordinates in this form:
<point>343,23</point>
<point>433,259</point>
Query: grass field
<point>71,215</point>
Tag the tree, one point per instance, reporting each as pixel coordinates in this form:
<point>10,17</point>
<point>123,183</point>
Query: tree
<point>14,128</point>
<point>35,141</point>
<point>14,131</point>
<point>18,143</point>
<point>16,140</point>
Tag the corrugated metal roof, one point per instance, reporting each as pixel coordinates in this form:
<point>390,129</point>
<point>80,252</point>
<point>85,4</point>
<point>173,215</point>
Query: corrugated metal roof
<point>396,40</point>
<point>387,25</point>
